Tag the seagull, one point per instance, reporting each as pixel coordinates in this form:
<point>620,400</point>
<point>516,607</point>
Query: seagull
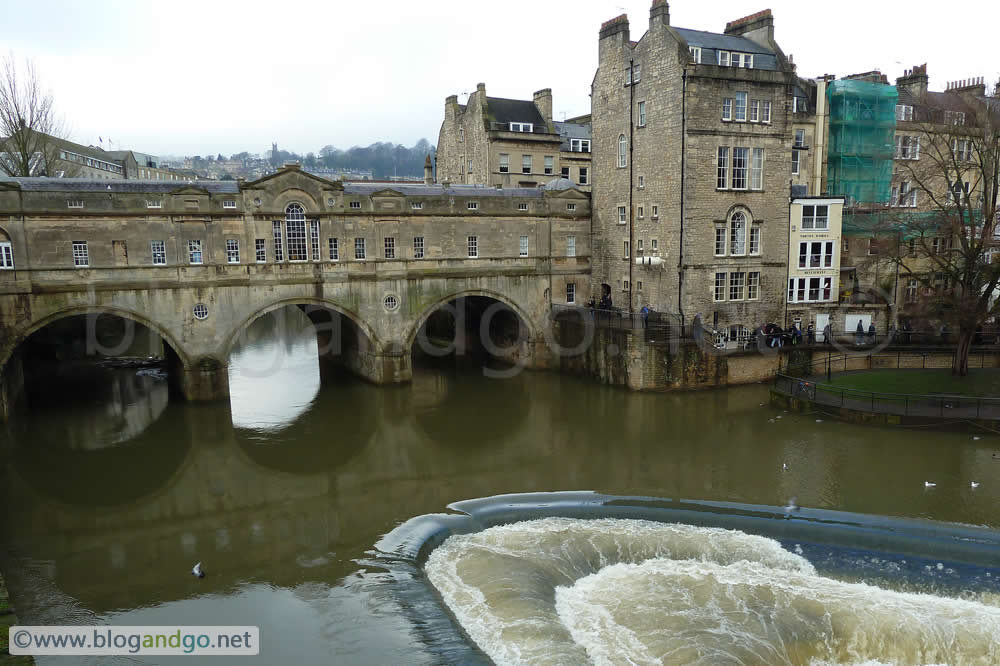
<point>197,572</point>
<point>784,467</point>
<point>974,484</point>
<point>929,484</point>
<point>792,506</point>
<point>975,437</point>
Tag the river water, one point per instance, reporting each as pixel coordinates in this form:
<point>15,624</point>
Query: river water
<point>111,493</point>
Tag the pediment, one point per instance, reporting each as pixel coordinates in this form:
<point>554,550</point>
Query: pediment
<point>189,189</point>
<point>570,193</point>
<point>294,177</point>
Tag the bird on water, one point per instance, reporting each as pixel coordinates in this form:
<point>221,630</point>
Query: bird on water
<point>197,572</point>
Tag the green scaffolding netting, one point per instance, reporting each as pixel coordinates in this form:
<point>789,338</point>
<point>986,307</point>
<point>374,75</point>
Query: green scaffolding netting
<point>861,143</point>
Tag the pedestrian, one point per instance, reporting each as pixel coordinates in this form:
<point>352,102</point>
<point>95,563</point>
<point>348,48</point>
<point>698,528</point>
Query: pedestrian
<point>811,334</point>
<point>944,334</point>
<point>907,332</point>
<point>827,334</point>
<point>871,333</point>
<point>859,334</point>
<point>645,315</point>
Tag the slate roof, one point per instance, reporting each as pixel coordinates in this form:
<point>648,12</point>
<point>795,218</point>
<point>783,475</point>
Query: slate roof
<point>417,189</point>
<point>514,111</point>
<point>712,42</point>
<point>118,185</point>
<point>569,131</point>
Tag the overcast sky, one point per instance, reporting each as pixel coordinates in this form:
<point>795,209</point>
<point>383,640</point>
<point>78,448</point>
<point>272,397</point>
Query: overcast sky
<point>183,77</point>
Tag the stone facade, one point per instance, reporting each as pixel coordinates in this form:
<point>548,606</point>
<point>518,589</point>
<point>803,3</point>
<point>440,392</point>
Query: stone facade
<point>199,246</point>
<point>662,201</point>
<point>507,143</point>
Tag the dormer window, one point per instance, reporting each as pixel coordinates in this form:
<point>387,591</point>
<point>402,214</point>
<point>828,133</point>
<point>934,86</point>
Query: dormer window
<point>522,127</point>
<point>579,145</point>
<point>695,54</point>
<point>800,104</point>
<point>735,59</point>
<point>229,203</point>
<point>904,112</point>
<point>954,118</point>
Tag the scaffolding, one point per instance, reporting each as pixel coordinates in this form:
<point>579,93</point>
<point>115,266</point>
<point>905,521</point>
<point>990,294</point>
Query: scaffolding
<point>861,143</point>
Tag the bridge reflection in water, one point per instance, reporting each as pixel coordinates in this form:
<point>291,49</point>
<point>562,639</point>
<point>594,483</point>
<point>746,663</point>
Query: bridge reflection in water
<point>281,500</point>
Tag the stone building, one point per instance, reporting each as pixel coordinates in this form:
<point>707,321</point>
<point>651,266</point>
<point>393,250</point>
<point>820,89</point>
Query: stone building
<point>693,137</point>
<point>510,143</point>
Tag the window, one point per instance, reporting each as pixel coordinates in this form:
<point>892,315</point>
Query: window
<point>159,251</point>
<point>740,156</point>
<point>727,108</point>
<point>621,215</point>
<point>656,212</point>
<point>295,232</point>
<point>359,248</point>
<point>639,212</point>
<point>810,289</point>
<point>389,247</point>
<point>635,73</point>
<point>765,112</point>
<point>522,250</point>
<point>74,203</point>
<point>904,112</point>
<point>638,248</point>
<point>907,147</point>
<point>232,251</point>
<point>638,285</point>
<point>200,311</point>
<point>549,165</point>
<point>522,127</point>
<point>260,250</point>
<point>626,249</point>
<point>194,252</point>
<point>626,286</point>
<point>847,245</point>
<point>800,138</point>
<point>522,206</point>
<point>737,234</point>
<point>504,163</point>
<point>954,118</point>
<point>469,166</point>
<point>642,182</point>
<point>418,247</point>
<point>571,207</point>
<point>795,162</point>
<point>723,58</point>
<point>742,60</point>
<point>815,217</point>
<point>695,53</point>
<point>720,287</point>
<point>154,204</point>
<point>872,246</point>
<point>584,175</point>
<point>654,247</point>
<point>800,105</point>
<point>907,195</point>
<point>314,239</point>
<point>911,288</point>
<point>755,239</point>
<point>279,253</point>
<point>570,246</point>
<point>472,205</point>
<point>622,151</point>
<point>564,172</point>
<point>827,254</point>
<point>958,192</point>
<point>570,292</point>
<point>229,203</point>
<point>416,205</point>
<point>579,145</point>
<point>461,134</point>
<point>525,163</point>
<point>757,170</point>
<point>81,257</point>
<point>736,285</point>
<point>355,204</point>
<point>723,168</point>
<point>755,110</point>
<point>753,285</point>
<point>642,114</point>
<point>473,247</point>
<point>720,241</point>
<point>740,107</point>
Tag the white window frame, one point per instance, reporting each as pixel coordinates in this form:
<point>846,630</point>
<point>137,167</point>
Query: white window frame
<point>721,236</point>
<point>757,169</point>
<point>504,162</point>
<point>74,203</point>
<point>81,254</point>
<point>796,162</point>
<point>738,178</point>
<point>695,52</point>
<point>753,285</point>
<point>260,250</point>
<point>526,164</point>
<point>737,285</point>
<point>654,247</point>
<point>296,233</point>
<point>626,249</point>
<point>584,175</point>
<point>549,165</point>
<point>740,107</point>
<point>815,217</point>
<point>722,168</point>
<point>727,108</point>
<point>522,206</point>
<point>522,127</point>
<point>416,205</point>
<point>765,112</point>
<point>195,252</point>
<point>6,256</point>
<point>314,250</point>
<point>723,58</point>
<point>154,204</point>
<point>279,245</point>
<point>472,205</point>
<point>800,139</point>
<point>360,248</point>
<point>622,151</point>
<point>719,289</point>
<point>158,252</point>
<point>622,218</point>
<point>755,236</point>
<point>800,289</point>
<point>639,211</point>
<point>473,246</point>
<point>642,113</point>
<point>522,246</point>
<point>355,205</point>
<point>571,292</point>
<point>229,203</point>
<point>232,251</point>
<point>579,145</point>
<point>656,212</point>
<point>738,234</point>
<point>755,110</point>
<point>418,247</point>
<point>904,112</point>
<point>570,246</point>
<point>570,207</point>
<point>389,247</point>
<point>642,182</point>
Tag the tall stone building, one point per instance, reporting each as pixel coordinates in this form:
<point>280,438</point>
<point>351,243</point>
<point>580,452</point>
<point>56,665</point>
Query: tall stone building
<point>510,143</point>
<point>692,159</point>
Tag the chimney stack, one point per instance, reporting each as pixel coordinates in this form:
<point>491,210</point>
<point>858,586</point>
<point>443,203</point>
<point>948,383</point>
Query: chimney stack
<point>659,14</point>
<point>976,86</point>
<point>543,100</point>
<point>914,80</point>
<point>428,171</point>
<point>758,28</point>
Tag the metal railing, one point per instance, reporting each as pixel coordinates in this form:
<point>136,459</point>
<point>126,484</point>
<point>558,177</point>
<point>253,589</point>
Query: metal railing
<point>883,361</point>
<point>622,319</point>
<point>902,404</point>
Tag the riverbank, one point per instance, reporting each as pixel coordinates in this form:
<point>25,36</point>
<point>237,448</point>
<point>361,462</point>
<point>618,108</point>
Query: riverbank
<point>7,620</point>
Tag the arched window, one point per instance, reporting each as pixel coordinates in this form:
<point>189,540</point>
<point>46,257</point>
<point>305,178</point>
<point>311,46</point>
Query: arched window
<point>295,232</point>
<point>738,233</point>
<point>622,151</point>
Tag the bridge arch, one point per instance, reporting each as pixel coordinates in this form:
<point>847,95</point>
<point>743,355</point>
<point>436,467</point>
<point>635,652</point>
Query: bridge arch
<point>23,333</point>
<point>411,335</point>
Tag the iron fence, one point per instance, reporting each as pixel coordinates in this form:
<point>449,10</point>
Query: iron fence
<point>897,360</point>
<point>623,319</point>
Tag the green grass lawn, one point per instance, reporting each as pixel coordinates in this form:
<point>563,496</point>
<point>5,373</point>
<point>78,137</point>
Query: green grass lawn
<point>980,382</point>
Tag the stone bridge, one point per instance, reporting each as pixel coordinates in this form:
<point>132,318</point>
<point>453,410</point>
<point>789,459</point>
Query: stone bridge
<point>197,263</point>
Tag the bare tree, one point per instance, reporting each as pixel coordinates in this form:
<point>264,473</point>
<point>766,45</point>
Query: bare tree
<point>30,129</point>
<point>943,224</point>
